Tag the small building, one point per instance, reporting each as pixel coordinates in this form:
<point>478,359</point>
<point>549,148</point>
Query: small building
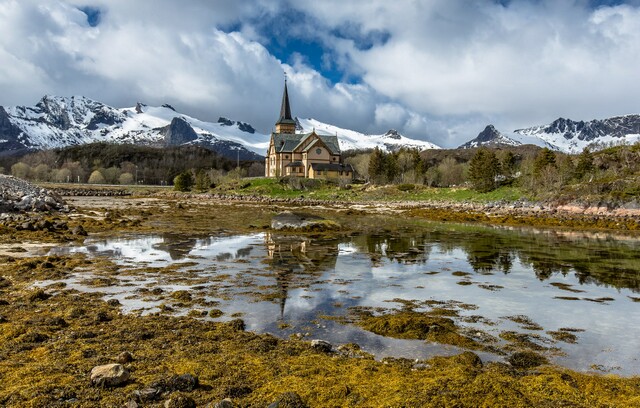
<point>307,155</point>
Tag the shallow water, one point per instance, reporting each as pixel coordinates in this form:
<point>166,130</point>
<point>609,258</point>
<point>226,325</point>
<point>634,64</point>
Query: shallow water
<point>287,285</point>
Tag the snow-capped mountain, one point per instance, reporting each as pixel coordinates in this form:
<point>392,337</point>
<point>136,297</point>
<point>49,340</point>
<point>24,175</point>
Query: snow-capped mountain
<point>59,122</point>
<point>572,137</point>
<point>490,137</point>
<point>352,140</point>
<point>56,122</point>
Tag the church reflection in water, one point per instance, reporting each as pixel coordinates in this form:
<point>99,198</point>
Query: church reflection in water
<point>298,261</point>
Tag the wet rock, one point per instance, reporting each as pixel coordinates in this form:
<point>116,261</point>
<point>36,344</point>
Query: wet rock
<point>184,382</point>
<point>109,375</point>
<point>124,357</point>
<point>147,394</point>
<point>468,359</point>
<point>180,401</point>
<point>131,404</point>
<point>79,230</point>
<point>295,221</point>
<point>288,400</point>
<point>321,345</point>
<point>113,302</point>
<point>102,316</point>
<point>526,359</point>
<point>225,403</point>
<point>237,324</point>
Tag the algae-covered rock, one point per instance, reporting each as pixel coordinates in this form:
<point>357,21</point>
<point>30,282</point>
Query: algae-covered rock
<point>288,400</point>
<point>526,359</point>
<point>180,401</point>
<point>124,357</point>
<point>109,375</point>
<point>295,221</point>
<point>321,345</point>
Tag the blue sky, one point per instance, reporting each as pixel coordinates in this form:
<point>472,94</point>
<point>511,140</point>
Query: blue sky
<point>439,70</point>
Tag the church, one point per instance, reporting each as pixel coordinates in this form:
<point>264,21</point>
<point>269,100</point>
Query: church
<point>307,155</point>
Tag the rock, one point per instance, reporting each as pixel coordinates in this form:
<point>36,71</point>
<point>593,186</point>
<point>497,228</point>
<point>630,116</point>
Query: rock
<point>27,226</point>
<point>180,401</point>
<point>109,375</point>
<point>124,357</point>
<point>237,324</point>
<point>225,403</point>
<point>321,345</point>
<point>526,359</point>
<point>79,230</point>
<point>288,400</point>
<point>131,404</point>
<point>294,221</point>
<point>3,319</point>
<point>184,382</point>
<point>147,394</point>
<point>468,359</point>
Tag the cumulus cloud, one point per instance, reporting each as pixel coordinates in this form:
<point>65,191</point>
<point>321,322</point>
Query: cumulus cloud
<point>439,70</point>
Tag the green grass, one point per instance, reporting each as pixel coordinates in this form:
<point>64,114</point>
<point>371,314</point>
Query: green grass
<point>273,188</point>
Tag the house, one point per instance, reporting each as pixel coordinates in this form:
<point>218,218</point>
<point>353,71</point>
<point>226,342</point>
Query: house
<point>308,155</point>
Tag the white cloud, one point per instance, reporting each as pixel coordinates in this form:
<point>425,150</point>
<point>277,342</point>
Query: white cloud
<point>448,68</point>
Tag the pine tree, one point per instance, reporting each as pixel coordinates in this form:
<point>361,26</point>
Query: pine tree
<point>484,168</point>
<point>585,164</point>
<point>377,166</point>
<point>183,181</point>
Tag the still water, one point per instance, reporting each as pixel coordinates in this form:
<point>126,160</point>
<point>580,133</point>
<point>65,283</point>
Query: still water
<point>288,285</point>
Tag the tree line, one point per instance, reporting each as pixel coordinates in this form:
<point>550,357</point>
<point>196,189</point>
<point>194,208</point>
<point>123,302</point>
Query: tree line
<point>614,171</point>
<point>104,163</point>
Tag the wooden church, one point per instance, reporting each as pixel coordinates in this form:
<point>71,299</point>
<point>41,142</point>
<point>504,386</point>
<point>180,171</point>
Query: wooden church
<point>307,155</point>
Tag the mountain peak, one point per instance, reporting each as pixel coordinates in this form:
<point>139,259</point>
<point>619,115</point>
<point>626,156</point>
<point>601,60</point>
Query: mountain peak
<point>490,137</point>
<point>393,134</point>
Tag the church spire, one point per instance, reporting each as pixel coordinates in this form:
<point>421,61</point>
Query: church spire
<point>285,124</point>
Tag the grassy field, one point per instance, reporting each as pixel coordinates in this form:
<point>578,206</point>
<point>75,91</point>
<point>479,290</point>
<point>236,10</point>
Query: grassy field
<point>274,188</point>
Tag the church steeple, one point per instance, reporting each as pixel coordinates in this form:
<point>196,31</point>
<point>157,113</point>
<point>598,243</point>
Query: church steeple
<point>285,124</point>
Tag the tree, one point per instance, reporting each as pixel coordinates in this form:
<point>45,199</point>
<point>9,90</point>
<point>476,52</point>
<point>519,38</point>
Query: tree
<point>96,177</point>
<point>544,159</point>
<point>585,164</point>
<point>126,178</point>
<point>484,169</point>
<point>203,181</point>
<point>451,172</point>
<point>20,170</point>
<point>41,172</point>
<point>508,165</point>
<point>377,166</point>
<point>111,174</point>
<point>183,181</point>
<point>62,176</point>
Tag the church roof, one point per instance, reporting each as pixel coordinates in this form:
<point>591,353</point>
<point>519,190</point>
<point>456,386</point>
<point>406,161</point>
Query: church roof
<point>287,142</point>
<point>332,167</point>
<point>285,108</point>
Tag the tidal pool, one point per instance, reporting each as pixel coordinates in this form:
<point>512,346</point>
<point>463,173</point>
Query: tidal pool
<point>497,281</point>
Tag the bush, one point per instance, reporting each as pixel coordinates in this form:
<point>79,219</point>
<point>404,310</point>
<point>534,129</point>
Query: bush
<point>183,181</point>
<point>126,178</point>
<point>97,178</point>
<point>406,187</point>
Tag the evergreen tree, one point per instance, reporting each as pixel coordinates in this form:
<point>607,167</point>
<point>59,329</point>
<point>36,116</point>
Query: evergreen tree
<point>483,170</point>
<point>183,181</point>
<point>203,181</point>
<point>377,166</point>
<point>585,164</point>
<point>545,158</point>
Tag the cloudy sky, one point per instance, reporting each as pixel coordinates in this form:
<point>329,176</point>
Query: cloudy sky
<point>438,70</point>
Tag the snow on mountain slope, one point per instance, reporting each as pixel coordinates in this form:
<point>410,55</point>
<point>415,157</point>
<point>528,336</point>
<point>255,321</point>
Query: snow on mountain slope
<point>59,121</point>
<point>572,137</point>
<point>352,140</point>
<point>490,137</point>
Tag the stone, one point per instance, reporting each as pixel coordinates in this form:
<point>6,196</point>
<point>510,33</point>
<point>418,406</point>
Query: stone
<point>321,345</point>
<point>109,375</point>
<point>124,357</point>
<point>147,394</point>
<point>180,401</point>
<point>288,400</point>
<point>79,230</point>
<point>131,404</point>
<point>296,221</point>
<point>225,403</point>
<point>184,382</point>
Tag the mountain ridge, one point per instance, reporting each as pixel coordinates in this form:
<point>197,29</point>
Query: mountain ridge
<point>57,122</point>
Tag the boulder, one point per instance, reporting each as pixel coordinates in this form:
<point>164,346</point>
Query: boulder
<point>321,345</point>
<point>288,400</point>
<point>295,221</point>
<point>109,375</point>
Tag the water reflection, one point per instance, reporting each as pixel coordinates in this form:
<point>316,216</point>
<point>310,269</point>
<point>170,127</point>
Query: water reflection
<point>283,283</point>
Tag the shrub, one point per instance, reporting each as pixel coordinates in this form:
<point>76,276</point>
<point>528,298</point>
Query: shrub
<point>97,178</point>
